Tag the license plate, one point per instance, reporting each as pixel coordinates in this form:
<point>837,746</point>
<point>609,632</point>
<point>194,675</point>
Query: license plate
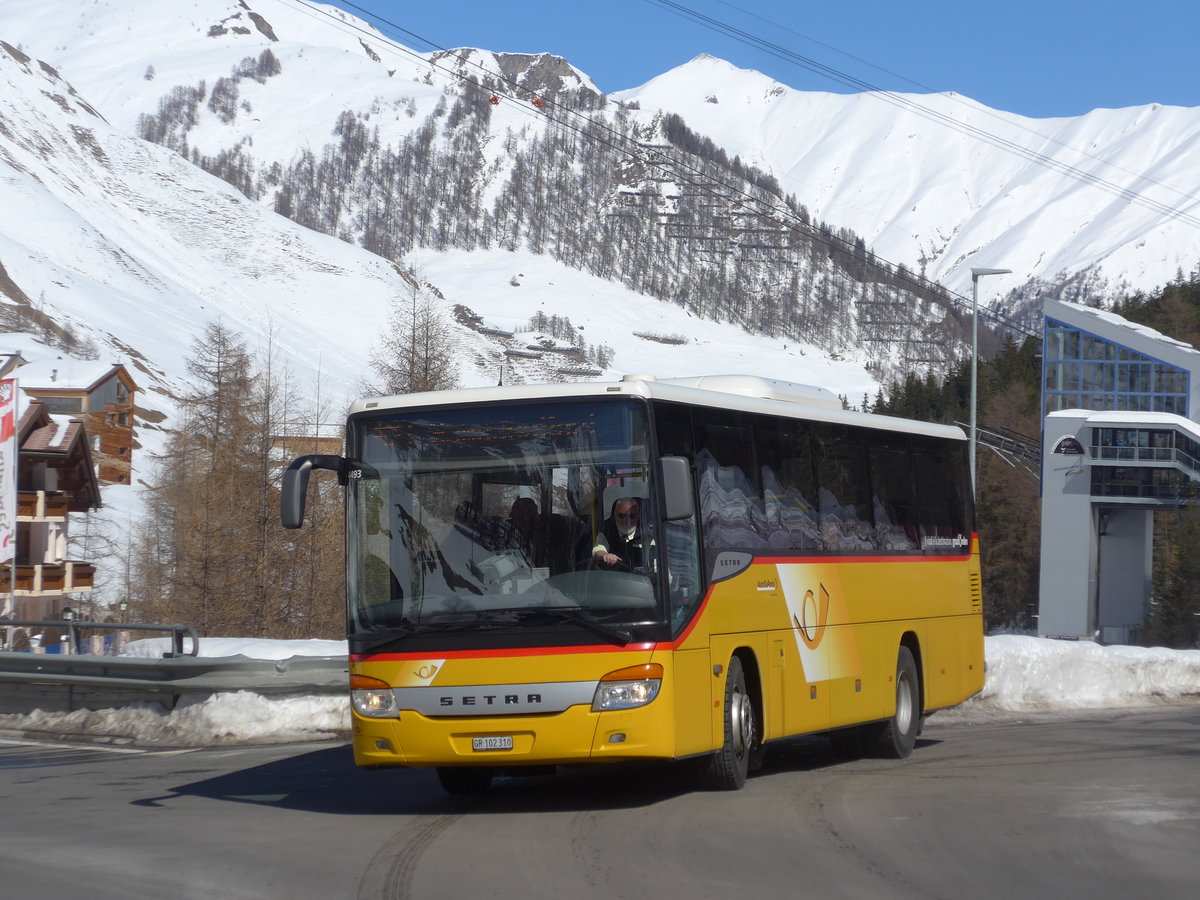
<point>495,742</point>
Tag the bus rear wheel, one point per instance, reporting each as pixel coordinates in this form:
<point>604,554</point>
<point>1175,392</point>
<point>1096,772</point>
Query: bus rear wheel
<point>726,770</point>
<point>895,738</point>
<point>465,779</point>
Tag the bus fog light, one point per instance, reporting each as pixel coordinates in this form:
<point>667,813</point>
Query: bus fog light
<point>628,688</point>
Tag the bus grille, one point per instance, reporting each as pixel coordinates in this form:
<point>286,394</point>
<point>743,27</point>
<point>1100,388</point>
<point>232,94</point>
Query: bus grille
<point>976,594</point>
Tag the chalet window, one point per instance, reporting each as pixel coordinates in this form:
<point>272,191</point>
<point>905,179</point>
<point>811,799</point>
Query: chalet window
<point>63,404</point>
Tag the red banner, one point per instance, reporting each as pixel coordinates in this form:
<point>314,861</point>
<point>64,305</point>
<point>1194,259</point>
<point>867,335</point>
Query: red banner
<point>8,469</point>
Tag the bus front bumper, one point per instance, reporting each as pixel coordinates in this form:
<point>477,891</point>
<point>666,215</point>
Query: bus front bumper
<point>575,735</point>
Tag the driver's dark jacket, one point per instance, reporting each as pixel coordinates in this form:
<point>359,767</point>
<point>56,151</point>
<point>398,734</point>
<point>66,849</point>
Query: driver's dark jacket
<point>629,549</point>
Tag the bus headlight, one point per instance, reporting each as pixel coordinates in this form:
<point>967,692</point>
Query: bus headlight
<point>628,688</point>
<point>372,697</point>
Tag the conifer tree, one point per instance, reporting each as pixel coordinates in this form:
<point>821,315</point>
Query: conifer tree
<point>1174,619</point>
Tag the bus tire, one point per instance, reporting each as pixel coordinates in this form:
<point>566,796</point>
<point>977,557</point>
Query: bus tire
<point>727,768</point>
<point>895,738</point>
<point>465,779</point>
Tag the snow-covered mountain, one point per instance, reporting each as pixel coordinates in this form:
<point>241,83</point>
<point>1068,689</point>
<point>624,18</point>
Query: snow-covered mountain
<point>943,183</point>
<point>309,111</point>
<point>938,183</point>
<point>114,247</point>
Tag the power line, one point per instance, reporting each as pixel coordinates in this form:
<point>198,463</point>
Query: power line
<point>910,105</point>
<point>678,169</point>
<point>991,113</point>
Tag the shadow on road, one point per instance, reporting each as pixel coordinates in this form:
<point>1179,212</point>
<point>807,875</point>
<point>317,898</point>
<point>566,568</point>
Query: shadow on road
<point>327,781</point>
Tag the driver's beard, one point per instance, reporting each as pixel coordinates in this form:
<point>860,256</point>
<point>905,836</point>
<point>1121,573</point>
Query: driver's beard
<point>626,531</point>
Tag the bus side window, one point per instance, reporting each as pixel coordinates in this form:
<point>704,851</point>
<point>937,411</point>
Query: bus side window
<point>731,503</point>
<point>789,489</point>
<point>943,496</point>
<point>673,426</point>
<point>683,570</point>
<point>893,492</point>
<point>847,523</point>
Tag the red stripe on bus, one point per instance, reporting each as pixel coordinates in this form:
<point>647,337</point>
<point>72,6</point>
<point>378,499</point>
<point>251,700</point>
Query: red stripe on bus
<point>500,653</point>
<point>818,560</point>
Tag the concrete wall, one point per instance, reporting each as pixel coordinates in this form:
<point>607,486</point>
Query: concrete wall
<point>1067,606</point>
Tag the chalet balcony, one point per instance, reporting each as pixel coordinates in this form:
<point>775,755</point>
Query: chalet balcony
<point>42,506</point>
<point>49,578</point>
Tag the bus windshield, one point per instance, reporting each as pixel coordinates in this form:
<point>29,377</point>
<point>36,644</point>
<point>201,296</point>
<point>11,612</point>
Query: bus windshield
<point>503,518</point>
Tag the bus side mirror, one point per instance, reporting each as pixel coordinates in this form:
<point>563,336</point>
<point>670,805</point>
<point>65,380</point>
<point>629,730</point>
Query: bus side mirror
<point>294,490</point>
<point>676,478</point>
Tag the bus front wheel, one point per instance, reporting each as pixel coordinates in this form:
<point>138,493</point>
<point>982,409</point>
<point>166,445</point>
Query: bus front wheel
<point>726,769</point>
<point>895,738</point>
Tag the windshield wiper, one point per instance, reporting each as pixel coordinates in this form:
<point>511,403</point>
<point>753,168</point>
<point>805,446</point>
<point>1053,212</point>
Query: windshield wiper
<point>581,618</point>
<point>406,627</point>
<point>397,632</point>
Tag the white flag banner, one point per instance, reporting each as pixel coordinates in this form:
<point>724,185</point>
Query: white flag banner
<point>8,469</point>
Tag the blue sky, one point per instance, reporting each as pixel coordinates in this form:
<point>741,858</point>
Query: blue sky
<point>1047,58</point>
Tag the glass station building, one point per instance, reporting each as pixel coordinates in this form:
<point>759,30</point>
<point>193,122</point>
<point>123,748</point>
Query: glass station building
<point>1119,440</point>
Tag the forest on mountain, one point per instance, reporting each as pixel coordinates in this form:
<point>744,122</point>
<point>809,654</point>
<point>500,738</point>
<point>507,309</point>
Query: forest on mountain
<point>1008,507</point>
<point>646,203</point>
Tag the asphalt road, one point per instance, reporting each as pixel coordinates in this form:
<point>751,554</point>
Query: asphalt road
<point>1106,805</point>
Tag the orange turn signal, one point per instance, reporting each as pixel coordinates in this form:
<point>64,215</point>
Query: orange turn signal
<point>635,673</point>
<point>367,683</point>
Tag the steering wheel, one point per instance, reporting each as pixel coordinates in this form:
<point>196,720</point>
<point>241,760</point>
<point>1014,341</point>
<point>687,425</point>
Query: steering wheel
<point>595,562</point>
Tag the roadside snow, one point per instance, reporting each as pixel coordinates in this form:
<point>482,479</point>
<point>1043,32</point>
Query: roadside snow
<point>251,648</point>
<point>1037,675</point>
<point>1025,676</point>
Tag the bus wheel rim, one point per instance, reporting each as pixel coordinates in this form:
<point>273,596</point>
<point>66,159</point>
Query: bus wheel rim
<point>742,722</point>
<point>904,704</point>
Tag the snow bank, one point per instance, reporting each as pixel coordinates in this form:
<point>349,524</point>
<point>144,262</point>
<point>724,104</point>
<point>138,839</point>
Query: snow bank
<point>1029,674</point>
<point>223,719</point>
<point>251,648</point>
<point>1024,675</point>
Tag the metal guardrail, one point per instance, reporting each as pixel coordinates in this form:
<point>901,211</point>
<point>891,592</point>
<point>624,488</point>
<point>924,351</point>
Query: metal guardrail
<point>74,627</point>
<point>55,683</point>
<point>64,682</point>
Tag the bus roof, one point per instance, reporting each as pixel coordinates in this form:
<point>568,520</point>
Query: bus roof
<point>750,393</point>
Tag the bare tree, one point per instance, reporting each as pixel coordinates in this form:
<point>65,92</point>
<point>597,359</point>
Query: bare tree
<point>210,551</point>
<point>416,352</point>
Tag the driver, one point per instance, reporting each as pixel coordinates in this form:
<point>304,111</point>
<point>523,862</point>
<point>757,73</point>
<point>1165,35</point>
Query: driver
<point>620,538</point>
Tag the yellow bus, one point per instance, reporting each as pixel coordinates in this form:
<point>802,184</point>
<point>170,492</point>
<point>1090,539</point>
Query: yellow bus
<point>685,568</point>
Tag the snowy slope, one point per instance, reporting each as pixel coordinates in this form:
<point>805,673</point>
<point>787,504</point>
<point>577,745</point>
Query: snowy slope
<point>912,174</point>
<point>157,249</point>
<point>937,197</point>
<point>138,250</point>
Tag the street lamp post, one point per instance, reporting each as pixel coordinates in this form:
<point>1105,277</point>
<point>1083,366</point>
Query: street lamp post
<point>976,274</point>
